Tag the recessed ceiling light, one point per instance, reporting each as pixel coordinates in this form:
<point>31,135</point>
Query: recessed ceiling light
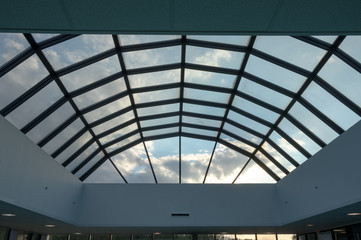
<point>77,233</point>
<point>310,225</point>
<point>8,215</point>
<point>49,225</point>
<point>354,214</point>
<point>156,233</point>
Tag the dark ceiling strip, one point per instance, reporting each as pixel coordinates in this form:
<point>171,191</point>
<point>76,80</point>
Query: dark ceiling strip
<point>93,168</point>
<point>151,45</point>
<point>157,103</point>
<point>86,161</point>
<point>56,40</point>
<point>96,84</point>
<point>308,81</point>
<point>321,115</point>
<point>274,161</point>
<point>181,96</point>
<point>212,69</point>
<point>216,45</point>
<point>17,60</point>
<point>57,130</point>
<point>78,152</point>
<point>293,142</point>
<point>158,127</point>
<point>259,102</point>
<point>339,96</point>
<point>251,116</point>
<point>161,136</point>
<point>158,68</point>
<point>103,102</point>
<point>280,62</point>
<point>247,129</point>
<point>239,138</point>
<point>204,103</point>
<point>119,51</point>
<point>159,116</point>
<point>198,136</point>
<point>52,72</point>
<point>305,130</point>
<point>110,117</point>
<point>207,88</point>
<point>125,147</point>
<point>199,115</point>
<point>196,126</point>
<point>234,147</point>
<point>156,88</point>
<point>33,123</point>
<point>121,138</point>
<point>86,62</point>
<point>25,96</point>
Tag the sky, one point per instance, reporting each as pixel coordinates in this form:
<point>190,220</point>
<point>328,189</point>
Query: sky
<point>195,154</point>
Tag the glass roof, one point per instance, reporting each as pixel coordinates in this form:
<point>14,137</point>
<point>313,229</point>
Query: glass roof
<point>180,109</point>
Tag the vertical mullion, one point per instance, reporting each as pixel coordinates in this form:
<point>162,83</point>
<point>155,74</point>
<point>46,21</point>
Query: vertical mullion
<point>181,97</point>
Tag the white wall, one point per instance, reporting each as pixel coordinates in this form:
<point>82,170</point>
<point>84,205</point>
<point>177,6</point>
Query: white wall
<point>152,205</point>
<point>31,179</point>
<point>329,180</point>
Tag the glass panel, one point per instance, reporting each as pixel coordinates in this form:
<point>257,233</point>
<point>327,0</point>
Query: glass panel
<point>74,147</point>
<point>142,237</point>
<point>11,44</point>
<point>270,165</point>
<point>152,57</point>
<point>114,122</point>
<point>100,237</point>
<point>58,237</point>
<point>237,143</point>
<point>277,156</point>
<point>351,45</point>
<point>236,40</point>
<point>51,122</point>
<point>225,166</point>
<point>160,131</point>
<point>325,235</point>
<point>291,50</point>
<point>154,78</point>
<point>182,237</point>
<point>158,95</point>
<point>91,73</point>
<point>297,135</point>
<point>164,155</point>
<point>82,156</point>
<point>264,94</point>
<point>195,108</point>
<point>287,147</point>
<point>312,236</point>
<point>201,121</point>
<point>79,237</point>
<point>239,132</point>
<point>255,109</point>
<point>209,78</point>
<point>247,122</point>
<point>200,131</point>
<point>246,237</point>
<point>159,121</point>
<point>123,143</point>
<point>205,237</point>
<point>138,39</point>
<point>274,74</point>
<point>343,78</point>
<point>91,163</point>
<point>209,96</point>
<point>288,237</point>
<point>20,79</point>
<point>328,39</point>
<point>158,109</point>
<point>214,57</point>
<point>253,173</point>
<point>133,163</point>
<point>266,236</point>
<point>196,154</point>
<point>121,237</point>
<point>163,237</point>
<point>106,173</point>
<point>63,136</point>
<point>119,133</point>
<point>39,37</point>
<point>339,234</point>
<point>225,236</point>
<point>100,93</point>
<point>330,106</point>
<point>107,109</point>
<point>77,49</point>
<point>34,106</point>
<point>313,123</point>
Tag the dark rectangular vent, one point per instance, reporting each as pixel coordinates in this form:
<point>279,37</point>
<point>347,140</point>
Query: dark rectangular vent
<point>180,214</point>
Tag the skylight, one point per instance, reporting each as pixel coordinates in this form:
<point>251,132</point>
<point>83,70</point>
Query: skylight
<point>180,109</point>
